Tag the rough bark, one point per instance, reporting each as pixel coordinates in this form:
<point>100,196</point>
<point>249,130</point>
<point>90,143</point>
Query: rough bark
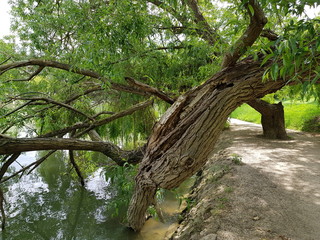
<point>183,139</point>
<point>18,145</point>
<point>272,119</point>
<point>257,22</point>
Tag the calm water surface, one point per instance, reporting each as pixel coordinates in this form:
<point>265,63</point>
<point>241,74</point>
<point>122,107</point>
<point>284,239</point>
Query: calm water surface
<point>48,204</point>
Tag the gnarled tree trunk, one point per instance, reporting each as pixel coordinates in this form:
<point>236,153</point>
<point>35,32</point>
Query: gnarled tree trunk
<point>272,119</point>
<point>183,139</point>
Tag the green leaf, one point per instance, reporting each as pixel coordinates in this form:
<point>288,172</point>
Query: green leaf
<point>274,71</point>
<point>267,58</point>
<point>251,9</point>
<point>316,78</point>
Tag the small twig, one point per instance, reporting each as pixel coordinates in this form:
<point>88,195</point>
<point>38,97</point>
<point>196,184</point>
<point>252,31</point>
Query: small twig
<point>3,62</point>
<point>35,73</point>
<point>38,162</point>
<point>17,109</point>
<point>48,100</point>
<point>7,164</point>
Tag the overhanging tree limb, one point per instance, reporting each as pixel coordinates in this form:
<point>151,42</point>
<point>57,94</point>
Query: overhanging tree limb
<point>17,145</point>
<point>257,22</point>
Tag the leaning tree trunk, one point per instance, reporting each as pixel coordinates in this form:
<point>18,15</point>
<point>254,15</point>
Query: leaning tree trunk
<point>272,119</point>
<point>183,139</point>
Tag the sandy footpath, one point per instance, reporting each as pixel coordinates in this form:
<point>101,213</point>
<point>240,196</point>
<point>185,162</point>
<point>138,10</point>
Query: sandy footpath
<point>273,195</point>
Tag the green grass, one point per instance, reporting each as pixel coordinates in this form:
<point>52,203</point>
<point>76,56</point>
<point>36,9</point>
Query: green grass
<point>297,115</point>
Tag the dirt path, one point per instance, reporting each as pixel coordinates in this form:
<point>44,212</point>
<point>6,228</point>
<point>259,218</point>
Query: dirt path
<point>273,194</point>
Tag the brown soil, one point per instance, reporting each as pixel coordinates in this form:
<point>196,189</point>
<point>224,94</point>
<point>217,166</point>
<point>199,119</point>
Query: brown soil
<point>272,194</point>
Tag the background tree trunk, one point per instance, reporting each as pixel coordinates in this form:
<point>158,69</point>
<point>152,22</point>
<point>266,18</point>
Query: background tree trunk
<point>272,119</point>
<point>181,142</point>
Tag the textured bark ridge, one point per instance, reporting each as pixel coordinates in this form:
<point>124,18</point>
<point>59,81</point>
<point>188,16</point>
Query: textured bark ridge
<point>183,139</point>
<point>272,119</point>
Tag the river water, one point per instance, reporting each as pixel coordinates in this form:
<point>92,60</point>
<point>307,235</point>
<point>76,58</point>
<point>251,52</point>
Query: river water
<point>49,204</point>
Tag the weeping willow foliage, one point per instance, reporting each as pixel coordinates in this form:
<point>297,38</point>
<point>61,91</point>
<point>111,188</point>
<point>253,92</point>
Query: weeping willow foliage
<point>158,44</point>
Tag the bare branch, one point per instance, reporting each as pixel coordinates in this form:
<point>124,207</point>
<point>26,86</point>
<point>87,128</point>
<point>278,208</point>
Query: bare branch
<point>17,109</point>
<point>52,64</point>
<point>17,145</point>
<point>149,89</point>
<point>7,164</point>
<point>48,100</point>
<point>102,113</point>
<point>124,113</point>
<point>204,30</point>
<point>3,62</point>
<point>255,27</point>
<point>267,33</point>
<point>90,126</point>
<point>30,77</point>
<point>76,167</point>
<point>66,67</point>
<point>3,214</point>
<point>98,88</point>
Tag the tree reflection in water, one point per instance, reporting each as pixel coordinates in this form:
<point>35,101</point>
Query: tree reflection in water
<point>49,204</point>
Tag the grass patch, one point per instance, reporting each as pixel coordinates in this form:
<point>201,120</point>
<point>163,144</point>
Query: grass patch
<point>297,115</point>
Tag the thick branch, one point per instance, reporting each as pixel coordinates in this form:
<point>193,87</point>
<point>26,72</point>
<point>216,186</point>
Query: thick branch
<point>204,30</point>
<point>14,145</point>
<point>258,104</point>
<point>267,33</point>
<point>255,27</point>
<point>17,145</point>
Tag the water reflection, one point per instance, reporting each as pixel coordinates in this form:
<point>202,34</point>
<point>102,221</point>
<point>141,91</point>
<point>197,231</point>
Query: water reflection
<point>49,204</point>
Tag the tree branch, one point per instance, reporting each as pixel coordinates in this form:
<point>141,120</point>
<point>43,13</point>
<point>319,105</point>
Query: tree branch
<point>146,88</point>
<point>76,167</point>
<point>48,100</point>
<point>30,77</point>
<point>35,164</point>
<point>267,33</point>
<point>255,27</point>
<point>17,145</point>
<point>204,30</point>
<point>7,164</point>
<point>90,126</point>
<point>17,109</point>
